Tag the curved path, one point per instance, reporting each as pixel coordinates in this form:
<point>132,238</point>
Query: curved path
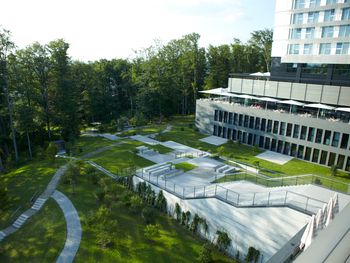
<point>73,228</point>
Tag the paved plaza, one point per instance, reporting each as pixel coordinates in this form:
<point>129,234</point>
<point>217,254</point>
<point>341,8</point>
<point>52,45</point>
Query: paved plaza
<point>214,140</point>
<point>275,157</point>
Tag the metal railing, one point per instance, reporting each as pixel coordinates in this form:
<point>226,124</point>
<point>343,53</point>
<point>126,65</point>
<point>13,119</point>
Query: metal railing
<point>278,198</point>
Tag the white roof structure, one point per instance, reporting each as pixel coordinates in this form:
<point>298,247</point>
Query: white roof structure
<point>291,102</point>
<point>320,106</point>
<point>260,74</point>
<point>343,109</point>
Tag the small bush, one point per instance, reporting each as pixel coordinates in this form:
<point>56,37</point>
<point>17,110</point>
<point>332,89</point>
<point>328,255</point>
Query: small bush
<point>318,181</point>
<point>205,255</point>
<point>182,129</point>
<point>148,214</point>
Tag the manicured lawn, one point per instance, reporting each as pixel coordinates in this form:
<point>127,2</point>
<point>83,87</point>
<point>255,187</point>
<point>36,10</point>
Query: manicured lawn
<point>185,166</point>
<point>175,243</point>
<point>23,182</point>
<point>156,128</point>
<point>160,148</point>
<point>86,144</point>
<point>121,157</point>
<point>40,239</point>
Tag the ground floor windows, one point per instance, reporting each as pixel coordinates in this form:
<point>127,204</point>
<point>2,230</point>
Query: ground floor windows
<point>307,154</point>
<point>250,139</point>
<point>275,127</point>
<point>261,142</point>
<point>300,151</point>
<point>344,141</point>
<point>323,159</point>
<point>273,145</point>
<point>267,143</point>
<point>303,132</point>
<point>315,155</point>
<point>331,160</point>
<point>340,162</point>
<point>280,146</point>
<point>286,148</point>
<point>293,151</point>
<point>347,166</point>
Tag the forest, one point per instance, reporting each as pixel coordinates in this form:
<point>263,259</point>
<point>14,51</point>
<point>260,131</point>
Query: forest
<point>46,95</point>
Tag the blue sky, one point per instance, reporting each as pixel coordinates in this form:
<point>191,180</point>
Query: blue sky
<point>115,28</point>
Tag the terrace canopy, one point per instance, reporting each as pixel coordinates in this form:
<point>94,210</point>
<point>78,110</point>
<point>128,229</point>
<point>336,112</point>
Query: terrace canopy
<point>267,99</point>
<point>218,91</point>
<point>343,109</point>
<point>320,106</point>
<point>291,102</point>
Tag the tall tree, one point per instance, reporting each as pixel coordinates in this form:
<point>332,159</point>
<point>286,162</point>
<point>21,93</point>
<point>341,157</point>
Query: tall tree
<point>263,40</point>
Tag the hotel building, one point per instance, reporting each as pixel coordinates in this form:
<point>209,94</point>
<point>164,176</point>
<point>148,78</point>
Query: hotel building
<point>302,108</point>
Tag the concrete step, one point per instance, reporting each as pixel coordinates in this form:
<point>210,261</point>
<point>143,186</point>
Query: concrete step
<point>20,221</point>
<point>2,235</point>
<point>39,203</point>
<point>223,168</point>
<point>228,170</point>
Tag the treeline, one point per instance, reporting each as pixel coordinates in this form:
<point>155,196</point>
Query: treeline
<point>45,95</point>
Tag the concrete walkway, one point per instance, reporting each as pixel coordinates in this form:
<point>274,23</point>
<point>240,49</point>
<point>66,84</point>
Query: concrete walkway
<point>73,228</point>
<point>40,201</point>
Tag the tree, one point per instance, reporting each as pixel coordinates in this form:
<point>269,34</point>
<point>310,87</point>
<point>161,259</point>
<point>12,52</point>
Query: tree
<point>177,211</point>
<point>148,214</point>
<point>223,240</point>
<point>263,40</point>
<point>151,232</point>
<point>205,254</point>
<point>195,222</point>
<point>252,255</point>
<point>161,202</point>
<point>51,151</point>
<point>4,199</point>
<point>135,204</point>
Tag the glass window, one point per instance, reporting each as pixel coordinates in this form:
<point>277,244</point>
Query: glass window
<point>327,31</point>
<point>298,19</point>
<point>225,116</point>
<point>215,130</point>
<point>344,141</point>
<point>235,119</point>
<point>344,31</point>
<point>273,144</point>
<point>250,139</point>
<point>298,4</point>
<point>220,116</point>
<point>307,154</point>
<point>315,155</point>
<point>323,158</point>
<point>328,15</point>
<point>300,151</point>
<point>246,121</point>
<point>275,127</point>
<point>293,151</point>
<point>311,135</point>
<point>239,136</point>
<point>267,143</point>
<point>230,118</point>
<point>347,166</point>
<point>327,137</point>
<point>296,131</point>
<point>331,2</point>
<point>303,132</point>
<point>234,134</point>
<point>257,123</point>
<point>312,17</point>
<point>224,129</point>
<point>342,48</point>
<point>345,14</point>
<point>295,33</point>
<point>279,146</point>
<point>289,129</point>
<point>261,141</point>
<point>286,148</point>
<point>263,124</point>
<point>325,48</point>
<point>331,159</point>
<point>293,49</point>
<point>309,33</point>
<point>307,49</point>
<point>340,162</point>
<point>240,120</point>
<point>319,135</point>
<point>314,3</point>
<point>244,137</point>
<point>251,122</point>
<point>216,114</point>
<point>269,126</point>
<point>282,128</point>
<point>219,131</point>
<point>229,133</point>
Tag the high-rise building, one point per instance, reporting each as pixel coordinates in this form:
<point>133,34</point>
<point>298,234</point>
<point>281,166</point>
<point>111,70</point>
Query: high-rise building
<point>302,108</point>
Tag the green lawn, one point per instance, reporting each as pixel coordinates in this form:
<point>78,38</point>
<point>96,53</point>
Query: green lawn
<point>23,182</point>
<point>86,144</point>
<point>185,166</point>
<point>156,128</point>
<point>121,157</point>
<point>160,148</point>
<point>175,244</point>
<point>40,239</point>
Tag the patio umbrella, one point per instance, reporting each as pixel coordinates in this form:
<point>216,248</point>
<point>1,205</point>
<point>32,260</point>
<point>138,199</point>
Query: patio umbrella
<point>343,109</point>
<point>311,233</point>
<point>267,74</point>
<point>266,99</point>
<point>329,212</point>
<point>257,74</point>
<point>319,106</point>
<point>335,204</point>
<point>291,102</point>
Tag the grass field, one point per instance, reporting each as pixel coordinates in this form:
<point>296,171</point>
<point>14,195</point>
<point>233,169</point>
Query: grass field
<point>87,144</point>
<point>185,166</point>
<point>175,243</point>
<point>22,183</point>
<point>40,239</point>
<point>121,157</point>
<point>144,130</point>
<point>160,148</point>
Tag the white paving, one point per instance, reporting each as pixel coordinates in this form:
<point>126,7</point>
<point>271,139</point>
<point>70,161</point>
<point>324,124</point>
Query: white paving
<point>183,148</point>
<point>144,139</point>
<point>214,140</point>
<point>73,228</point>
<point>275,157</point>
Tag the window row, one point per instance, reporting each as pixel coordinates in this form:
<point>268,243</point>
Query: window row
<point>341,48</point>
<point>300,4</point>
<point>316,17</point>
<point>296,131</point>
<point>326,32</point>
<point>283,147</point>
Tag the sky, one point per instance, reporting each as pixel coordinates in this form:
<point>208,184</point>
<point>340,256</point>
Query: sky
<point>97,29</point>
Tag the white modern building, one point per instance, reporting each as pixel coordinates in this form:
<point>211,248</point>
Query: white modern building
<point>303,108</point>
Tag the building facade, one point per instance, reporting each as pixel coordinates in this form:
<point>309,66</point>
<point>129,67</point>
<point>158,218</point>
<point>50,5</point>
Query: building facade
<point>297,111</point>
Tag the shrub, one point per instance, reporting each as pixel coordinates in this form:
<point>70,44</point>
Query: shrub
<point>148,214</point>
<point>318,181</point>
<point>151,231</point>
<point>104,239</point>
<point>177,211</point>
<point>205,254</point>
<point>135,203</point>
<point>182,129</point>
<point>100,195</point>
<point>51,151</point>
<point>223,240</point>
<point>252,255</point>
